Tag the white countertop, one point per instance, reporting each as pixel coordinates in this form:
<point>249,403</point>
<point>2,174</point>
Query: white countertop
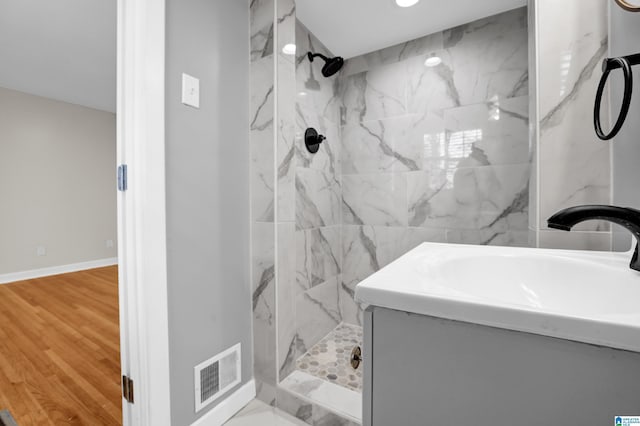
<point>590,297</point>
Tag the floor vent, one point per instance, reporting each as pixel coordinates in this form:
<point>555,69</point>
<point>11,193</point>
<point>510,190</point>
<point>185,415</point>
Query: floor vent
<point>216,376</point>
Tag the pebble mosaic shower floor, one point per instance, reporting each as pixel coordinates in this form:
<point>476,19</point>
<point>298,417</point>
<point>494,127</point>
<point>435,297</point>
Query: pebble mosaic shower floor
<point>329,359</point>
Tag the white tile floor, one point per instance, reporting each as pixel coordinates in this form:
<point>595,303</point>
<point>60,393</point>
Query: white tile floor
<point>258,413</point>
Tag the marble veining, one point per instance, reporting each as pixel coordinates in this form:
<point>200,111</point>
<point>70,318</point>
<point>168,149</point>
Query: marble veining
<point>438,153</point>
<point>318,256</point>
<point>494,52</point>
<point>393,54</point>
<point>332,405</point>
<point>467,198</point>
<point>491,133</point>
<point>375,199</point>
<point>261,140</point>
<point>263,204</point>
<point>295,405</point>
<point>372,95</point>
<point>286,138</point>
<point>261,28</point>
<point>286,24</point>
<point>286,297</point>
<point>574,165</point>
<point>259,413</point>
<point>390,145</point>
<point>264,306</point>
<point>480,61</point>
<point>413,154</point>
<point>317,199</point>
<point>555,116</point>
<point>317,313</point>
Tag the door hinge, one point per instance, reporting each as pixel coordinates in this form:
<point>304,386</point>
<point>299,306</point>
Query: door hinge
<point>122,177</point>
<point>127,389</point>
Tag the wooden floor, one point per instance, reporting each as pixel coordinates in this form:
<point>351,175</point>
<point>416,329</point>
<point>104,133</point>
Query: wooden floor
<point>60,349</point>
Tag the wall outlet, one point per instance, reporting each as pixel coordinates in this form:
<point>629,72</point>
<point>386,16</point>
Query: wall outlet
<point>109,243</point>
<point>41,251</point>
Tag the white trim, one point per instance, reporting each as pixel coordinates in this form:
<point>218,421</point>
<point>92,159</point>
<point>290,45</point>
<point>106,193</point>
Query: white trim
<point>144,331</point>
<point>229,407</point>
<point>56,270</point>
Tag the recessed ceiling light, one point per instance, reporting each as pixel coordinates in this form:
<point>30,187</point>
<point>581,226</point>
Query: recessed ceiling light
<point>406,3</point>
<point>433,61</point>
<point>289,49</point>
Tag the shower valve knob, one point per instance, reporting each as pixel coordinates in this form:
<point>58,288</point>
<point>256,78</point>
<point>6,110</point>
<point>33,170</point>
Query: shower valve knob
<point>312,139</point>
<point>356,357</point>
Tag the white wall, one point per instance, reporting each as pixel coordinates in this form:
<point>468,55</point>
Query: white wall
<point>57,182</point>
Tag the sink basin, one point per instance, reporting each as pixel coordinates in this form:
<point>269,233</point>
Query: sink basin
<point>590,297</point>
<point>553,283</point>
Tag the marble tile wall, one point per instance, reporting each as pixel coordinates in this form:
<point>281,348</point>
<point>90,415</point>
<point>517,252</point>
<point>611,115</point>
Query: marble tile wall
<point>296,196</point>
<point>437,153</point>
<point>413,154</point>
<point>318,197</point>
<point>261,27</point>
<point>308,209</point>
<point>263,187</point>
<point>288,340</point>
<point>573,165</point>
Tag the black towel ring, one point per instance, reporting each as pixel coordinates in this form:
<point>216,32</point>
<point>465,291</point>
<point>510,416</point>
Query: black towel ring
<point>608,65</point>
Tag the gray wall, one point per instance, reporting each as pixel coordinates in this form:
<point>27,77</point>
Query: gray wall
<point>624,29</point>
<point>207,192</point>
<point>57,181</point>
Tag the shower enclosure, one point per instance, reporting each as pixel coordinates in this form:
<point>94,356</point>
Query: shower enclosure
<point>427,140</point>
<point>413,153</point>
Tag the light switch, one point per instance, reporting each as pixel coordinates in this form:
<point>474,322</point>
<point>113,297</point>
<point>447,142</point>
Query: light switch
<point>190,91</point>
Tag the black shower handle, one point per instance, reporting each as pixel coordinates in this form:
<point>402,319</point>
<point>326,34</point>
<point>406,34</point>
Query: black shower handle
<point>608,65</point>
<point>312,140</point>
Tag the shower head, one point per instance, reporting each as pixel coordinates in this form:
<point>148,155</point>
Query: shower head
<point>331,65</point>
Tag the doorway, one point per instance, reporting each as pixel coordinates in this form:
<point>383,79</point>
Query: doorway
<point>59,298</point>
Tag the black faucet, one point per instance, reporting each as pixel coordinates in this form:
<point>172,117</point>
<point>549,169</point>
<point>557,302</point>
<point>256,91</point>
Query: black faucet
<point>624,216</point>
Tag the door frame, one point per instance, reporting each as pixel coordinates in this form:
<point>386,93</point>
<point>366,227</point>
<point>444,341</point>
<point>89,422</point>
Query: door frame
<point>144,323</point>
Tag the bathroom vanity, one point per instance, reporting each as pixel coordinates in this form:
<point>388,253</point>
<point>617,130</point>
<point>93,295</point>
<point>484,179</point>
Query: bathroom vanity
<point>486,336</point>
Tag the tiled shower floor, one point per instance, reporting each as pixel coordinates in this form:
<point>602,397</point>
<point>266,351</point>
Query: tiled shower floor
<point>330,358</point>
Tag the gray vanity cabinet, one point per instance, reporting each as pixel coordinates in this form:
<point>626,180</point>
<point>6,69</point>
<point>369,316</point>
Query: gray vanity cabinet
<point>425,371</point>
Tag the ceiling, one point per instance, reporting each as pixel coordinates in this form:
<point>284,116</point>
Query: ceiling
<point>66,49</point>
<point>60,49</point>
<point>351,28</point>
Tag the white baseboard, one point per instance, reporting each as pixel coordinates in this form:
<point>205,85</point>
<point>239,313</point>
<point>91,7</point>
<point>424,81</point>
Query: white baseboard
<point>55,270</point>
<point>222,412</point>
